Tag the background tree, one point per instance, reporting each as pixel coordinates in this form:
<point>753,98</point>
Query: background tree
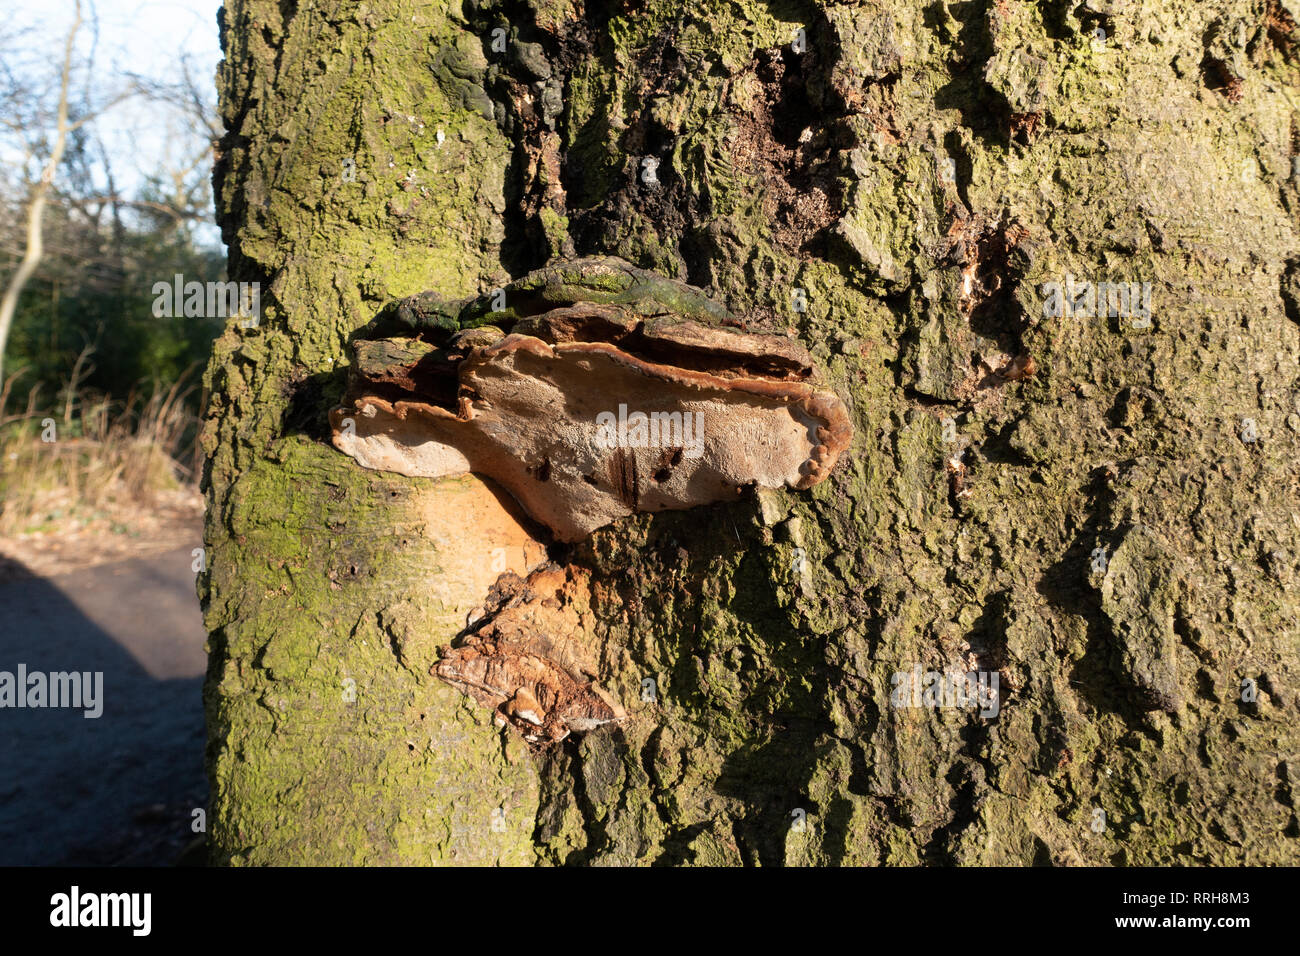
<point>1099,509</point>
<point>35,248</point>
<point>79,255</point>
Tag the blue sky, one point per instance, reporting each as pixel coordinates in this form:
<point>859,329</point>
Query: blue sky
<point>143,37</point>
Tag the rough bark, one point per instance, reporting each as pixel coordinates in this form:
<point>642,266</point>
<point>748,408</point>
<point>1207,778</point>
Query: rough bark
<point>1103,511</point>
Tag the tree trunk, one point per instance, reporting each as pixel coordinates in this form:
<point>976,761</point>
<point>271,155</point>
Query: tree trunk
<point>1046,255</point>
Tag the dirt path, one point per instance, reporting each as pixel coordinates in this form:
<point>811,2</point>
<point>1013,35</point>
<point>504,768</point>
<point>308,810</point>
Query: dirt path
<point>121,788</point>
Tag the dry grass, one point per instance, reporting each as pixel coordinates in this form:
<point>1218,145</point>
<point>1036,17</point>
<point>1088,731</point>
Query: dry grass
<point>111,468</point>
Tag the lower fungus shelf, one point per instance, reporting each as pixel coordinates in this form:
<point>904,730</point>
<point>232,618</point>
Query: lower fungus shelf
<point>529,660</point>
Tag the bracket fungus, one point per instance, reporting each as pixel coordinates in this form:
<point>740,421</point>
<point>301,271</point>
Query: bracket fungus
<point>592,391</point>
<point>529,660</point>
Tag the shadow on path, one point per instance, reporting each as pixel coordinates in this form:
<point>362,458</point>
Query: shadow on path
<point>120,788</point>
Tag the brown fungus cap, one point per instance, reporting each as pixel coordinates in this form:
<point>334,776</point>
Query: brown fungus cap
<point>597,413</point>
